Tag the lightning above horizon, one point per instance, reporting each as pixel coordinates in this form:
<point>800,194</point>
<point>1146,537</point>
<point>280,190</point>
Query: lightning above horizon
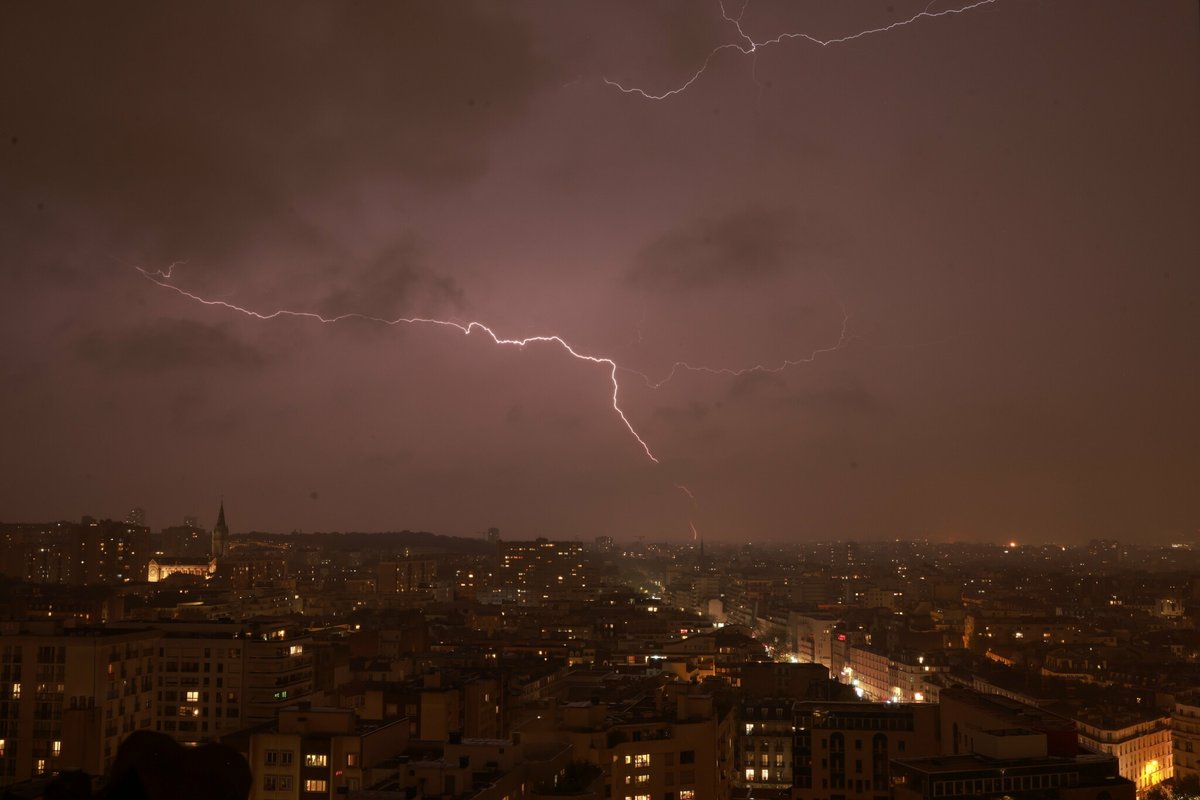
<point>749,46</point>
<point>844,338</point>
<point>163,278</point>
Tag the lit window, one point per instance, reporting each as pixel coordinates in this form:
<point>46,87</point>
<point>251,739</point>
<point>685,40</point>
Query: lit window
<point>193,697</point>
<point>316,760</point>
<point>40,767</point>
<point>351,759</point>
<point>641,760</point>
<point>313,785</point>
<point>56,748</point>
<point>687,794</point>
<point>628,759</point>
<point>16,691</point>
<point>749,774</point>
<point>296,649</point>
<point>643,778</point>
<point>3,745</point>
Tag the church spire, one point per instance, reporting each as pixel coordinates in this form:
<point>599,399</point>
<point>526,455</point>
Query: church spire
<point>220,534</point>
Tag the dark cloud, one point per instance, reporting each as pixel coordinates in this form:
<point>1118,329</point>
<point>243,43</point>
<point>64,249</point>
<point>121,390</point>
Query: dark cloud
<point>755,384</point>
<point>392,283</point>
<point>737,247</point>
<point>689,414</point>
<point>241,115</point>
<point>525,419</point>
<point>165,345</point>
<point>847,395</point>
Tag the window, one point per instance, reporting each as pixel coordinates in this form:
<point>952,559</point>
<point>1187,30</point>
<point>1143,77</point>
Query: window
<point>285,783</point>
<point>40,767</point>
<point>16,691</point>
<point>750,773</point>
<point>285,758</point>
<point>295,649</point>
<point>271,758</point>
<point>56,748</point>
<point>687,794</point>
<point>641,760</point>
<point>316,760</point>
<point>3,746</point>
<point>643,778</point>
<point>687,757</point>
<point>351,759</point>
<point>314,785</point>
<point>268,783</point>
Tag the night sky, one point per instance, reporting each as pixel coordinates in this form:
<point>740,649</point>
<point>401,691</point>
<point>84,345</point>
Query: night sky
<point>999,209</point>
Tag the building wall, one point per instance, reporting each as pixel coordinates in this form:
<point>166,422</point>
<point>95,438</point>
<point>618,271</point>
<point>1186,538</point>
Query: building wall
<point>846,748</point>
<point>1185,734</point>
<point>1143,750</point>
<point>67,700</point>
<point>683,765</point>
<point>201,688</point>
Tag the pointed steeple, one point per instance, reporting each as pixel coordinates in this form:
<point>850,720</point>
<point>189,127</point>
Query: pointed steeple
<point>220,534</point>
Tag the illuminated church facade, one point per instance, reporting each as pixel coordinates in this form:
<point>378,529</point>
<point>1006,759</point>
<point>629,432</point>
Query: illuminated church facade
<point>163,567</point>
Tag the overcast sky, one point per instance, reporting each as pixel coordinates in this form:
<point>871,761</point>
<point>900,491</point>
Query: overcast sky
<point>986,222</point>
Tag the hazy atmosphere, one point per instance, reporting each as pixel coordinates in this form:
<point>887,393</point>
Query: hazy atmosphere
<point>960,248</point>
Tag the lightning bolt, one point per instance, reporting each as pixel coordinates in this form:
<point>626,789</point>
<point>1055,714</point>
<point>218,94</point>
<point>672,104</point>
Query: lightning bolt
<point>748,46</point>
<point>162,278</point>
<point>165,274</point>
<point>844,338</point>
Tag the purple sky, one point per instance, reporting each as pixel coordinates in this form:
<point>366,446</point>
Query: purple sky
<point>1003,203</point>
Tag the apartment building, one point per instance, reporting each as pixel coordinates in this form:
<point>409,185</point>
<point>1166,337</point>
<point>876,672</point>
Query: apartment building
<point>69,695</point>
<point>315,753</point>
<point>845,749</point>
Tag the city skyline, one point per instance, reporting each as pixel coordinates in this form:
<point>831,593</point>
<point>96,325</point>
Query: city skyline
<point>977,271</point>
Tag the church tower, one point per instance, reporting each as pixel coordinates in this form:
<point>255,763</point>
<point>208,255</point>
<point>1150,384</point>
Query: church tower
<point>220,534</point>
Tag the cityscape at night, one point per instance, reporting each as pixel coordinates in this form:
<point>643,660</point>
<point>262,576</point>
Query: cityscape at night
<point>664,400</point>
